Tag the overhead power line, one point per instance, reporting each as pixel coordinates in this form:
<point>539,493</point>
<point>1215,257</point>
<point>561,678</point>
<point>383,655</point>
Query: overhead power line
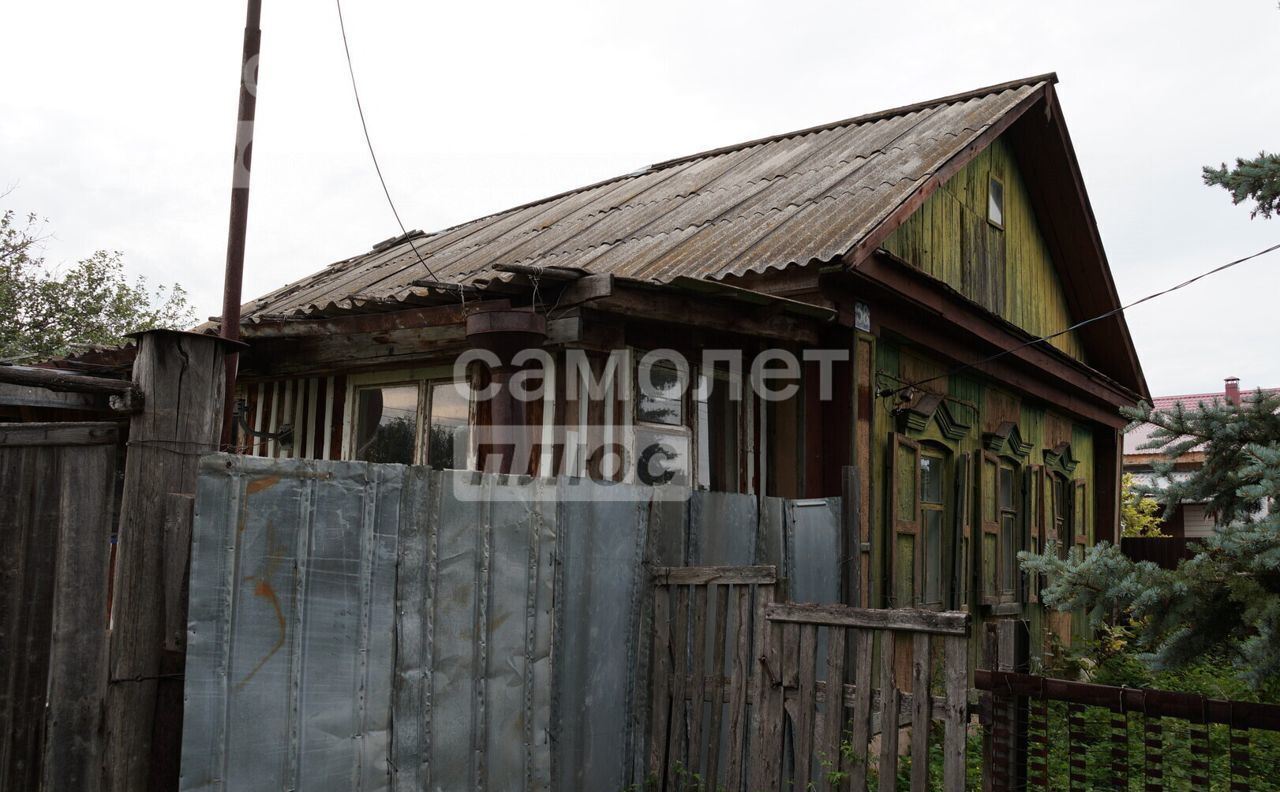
<point>1077,325</point>
<point>342,25</point>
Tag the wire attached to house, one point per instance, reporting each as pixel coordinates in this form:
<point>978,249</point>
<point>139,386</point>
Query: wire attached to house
<point>983,361</point>
<point>355,90</point>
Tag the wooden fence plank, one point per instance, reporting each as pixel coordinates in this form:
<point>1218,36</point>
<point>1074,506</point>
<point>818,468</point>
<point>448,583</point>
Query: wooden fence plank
<point>699,677</point>
<point>182,376</point>
<point>860,727</point>
<point>804,704</point>
<point>900,619</point>
<point>58,434</point>
<point>888,712</point>
<point>955,740</point>
<point>833,714</point>
<point>714,575</point>
<point>719,634</point>
<point>766,756</point>
<point>740,677</point>
<point>921,677</point>
<point>677,762</point>
<point>78,652</point>
<point>662,674</point>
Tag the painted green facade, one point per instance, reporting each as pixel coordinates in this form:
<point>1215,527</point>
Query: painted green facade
<point>1006,270</point>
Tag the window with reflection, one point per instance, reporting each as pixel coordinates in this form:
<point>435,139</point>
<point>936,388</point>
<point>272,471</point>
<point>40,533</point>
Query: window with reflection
<point>447,430</point>
<point>718,417</point>
<point>386,423</point>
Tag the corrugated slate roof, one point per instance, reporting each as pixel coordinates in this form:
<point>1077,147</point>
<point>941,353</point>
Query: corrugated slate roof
<point>766,204</point>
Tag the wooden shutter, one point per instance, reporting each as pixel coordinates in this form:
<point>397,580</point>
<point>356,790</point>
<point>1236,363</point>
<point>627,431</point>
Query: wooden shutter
<point>987,544</point>
<point>962,566</point>
<point>1079,526</point>
<point>904,583</point>
<point>1035,521</point>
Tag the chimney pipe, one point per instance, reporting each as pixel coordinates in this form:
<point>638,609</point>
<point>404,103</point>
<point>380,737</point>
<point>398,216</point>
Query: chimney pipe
<point>1233,390</point>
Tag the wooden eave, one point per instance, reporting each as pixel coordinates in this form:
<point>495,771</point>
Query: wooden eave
<point>925,311</point>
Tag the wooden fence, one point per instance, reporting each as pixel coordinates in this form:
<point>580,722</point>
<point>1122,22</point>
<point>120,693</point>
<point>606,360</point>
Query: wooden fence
<point>704,672</point>
<point>57,488</point>
<point>1163,551</point>
<point>1084,736</point>
<point>795,696</point>
<point>89,702</point>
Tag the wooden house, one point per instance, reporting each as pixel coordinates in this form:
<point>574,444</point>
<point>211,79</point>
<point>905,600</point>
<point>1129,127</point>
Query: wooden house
<point>928,245</point>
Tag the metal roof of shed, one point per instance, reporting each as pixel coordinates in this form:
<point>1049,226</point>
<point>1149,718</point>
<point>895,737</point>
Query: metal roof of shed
<point>809,195</point>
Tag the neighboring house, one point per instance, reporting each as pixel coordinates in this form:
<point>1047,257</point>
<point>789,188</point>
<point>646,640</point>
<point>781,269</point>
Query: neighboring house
<point>914,242</point>
<point>1186,520</point>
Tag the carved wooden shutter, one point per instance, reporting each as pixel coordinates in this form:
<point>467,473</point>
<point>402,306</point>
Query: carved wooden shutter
<point>1080,515</point>
<point>1035,520</point>
<point>905,563</point>
<point>987,545</point>
<point>962,568</point>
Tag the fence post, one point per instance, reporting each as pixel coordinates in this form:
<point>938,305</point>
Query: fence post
<point>181,377</point>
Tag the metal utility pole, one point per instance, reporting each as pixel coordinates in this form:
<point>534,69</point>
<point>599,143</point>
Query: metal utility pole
<point>239,207</point>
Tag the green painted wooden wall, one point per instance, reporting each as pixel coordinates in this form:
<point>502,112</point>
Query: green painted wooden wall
<point>988,405</point>
<point>1006,270</point>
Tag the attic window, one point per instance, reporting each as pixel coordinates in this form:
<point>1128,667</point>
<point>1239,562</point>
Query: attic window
<point>995,203</point>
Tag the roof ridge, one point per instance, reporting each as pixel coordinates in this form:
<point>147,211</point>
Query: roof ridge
<point>1049,77</point>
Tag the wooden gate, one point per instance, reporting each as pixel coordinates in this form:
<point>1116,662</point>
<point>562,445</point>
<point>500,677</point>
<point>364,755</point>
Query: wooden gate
<point>57,484</point>
<point>749,693</point>
<point>703,673</point>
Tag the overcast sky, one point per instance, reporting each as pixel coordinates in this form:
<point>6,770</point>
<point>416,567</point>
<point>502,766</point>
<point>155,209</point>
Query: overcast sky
<point>117,122</point>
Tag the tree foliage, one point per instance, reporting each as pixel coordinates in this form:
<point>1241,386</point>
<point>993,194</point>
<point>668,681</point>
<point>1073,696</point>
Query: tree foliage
<point>1139,512</point>
<point>49,312</point>
<point>1226,599</point>
<point>1255,179</point>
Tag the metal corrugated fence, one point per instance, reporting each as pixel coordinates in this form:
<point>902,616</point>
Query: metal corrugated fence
<point>366,627</point>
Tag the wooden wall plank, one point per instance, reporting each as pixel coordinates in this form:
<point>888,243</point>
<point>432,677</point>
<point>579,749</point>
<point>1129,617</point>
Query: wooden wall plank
<point>77,683</point>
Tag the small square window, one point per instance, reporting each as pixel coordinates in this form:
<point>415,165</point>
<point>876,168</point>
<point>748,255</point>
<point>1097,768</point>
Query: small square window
<point>995,203</point>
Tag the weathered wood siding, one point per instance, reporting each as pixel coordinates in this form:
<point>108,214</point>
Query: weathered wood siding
<point>988,405</point>
<point>57,491</point>
<point>1008,271</point>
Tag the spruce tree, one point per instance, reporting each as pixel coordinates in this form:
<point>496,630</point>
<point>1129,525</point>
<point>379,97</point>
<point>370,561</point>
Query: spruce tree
<point>1225,599</point>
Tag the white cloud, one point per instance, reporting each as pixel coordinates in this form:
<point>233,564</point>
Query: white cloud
<point>118,122</point>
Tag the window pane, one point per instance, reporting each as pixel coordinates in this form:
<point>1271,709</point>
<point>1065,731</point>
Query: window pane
<point>386,423</point>
<point>995,202</point>
<point>931,479</point>
<point>651,409</point>
<point>447,446</point>
<point>1006,488</point>
<point>989,565</point>
<point>988,491</point>
<point>1008,539</point>
<point>933,556</point>
<point>721,450</point>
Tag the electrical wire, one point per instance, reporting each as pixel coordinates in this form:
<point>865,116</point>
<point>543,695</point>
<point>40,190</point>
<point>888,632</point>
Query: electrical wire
<point>355,90</point>
<point>983,361</point>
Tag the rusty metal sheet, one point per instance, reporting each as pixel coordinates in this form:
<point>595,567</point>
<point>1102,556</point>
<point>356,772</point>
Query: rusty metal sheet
<point>290,625</point>
<point>813,194</point>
